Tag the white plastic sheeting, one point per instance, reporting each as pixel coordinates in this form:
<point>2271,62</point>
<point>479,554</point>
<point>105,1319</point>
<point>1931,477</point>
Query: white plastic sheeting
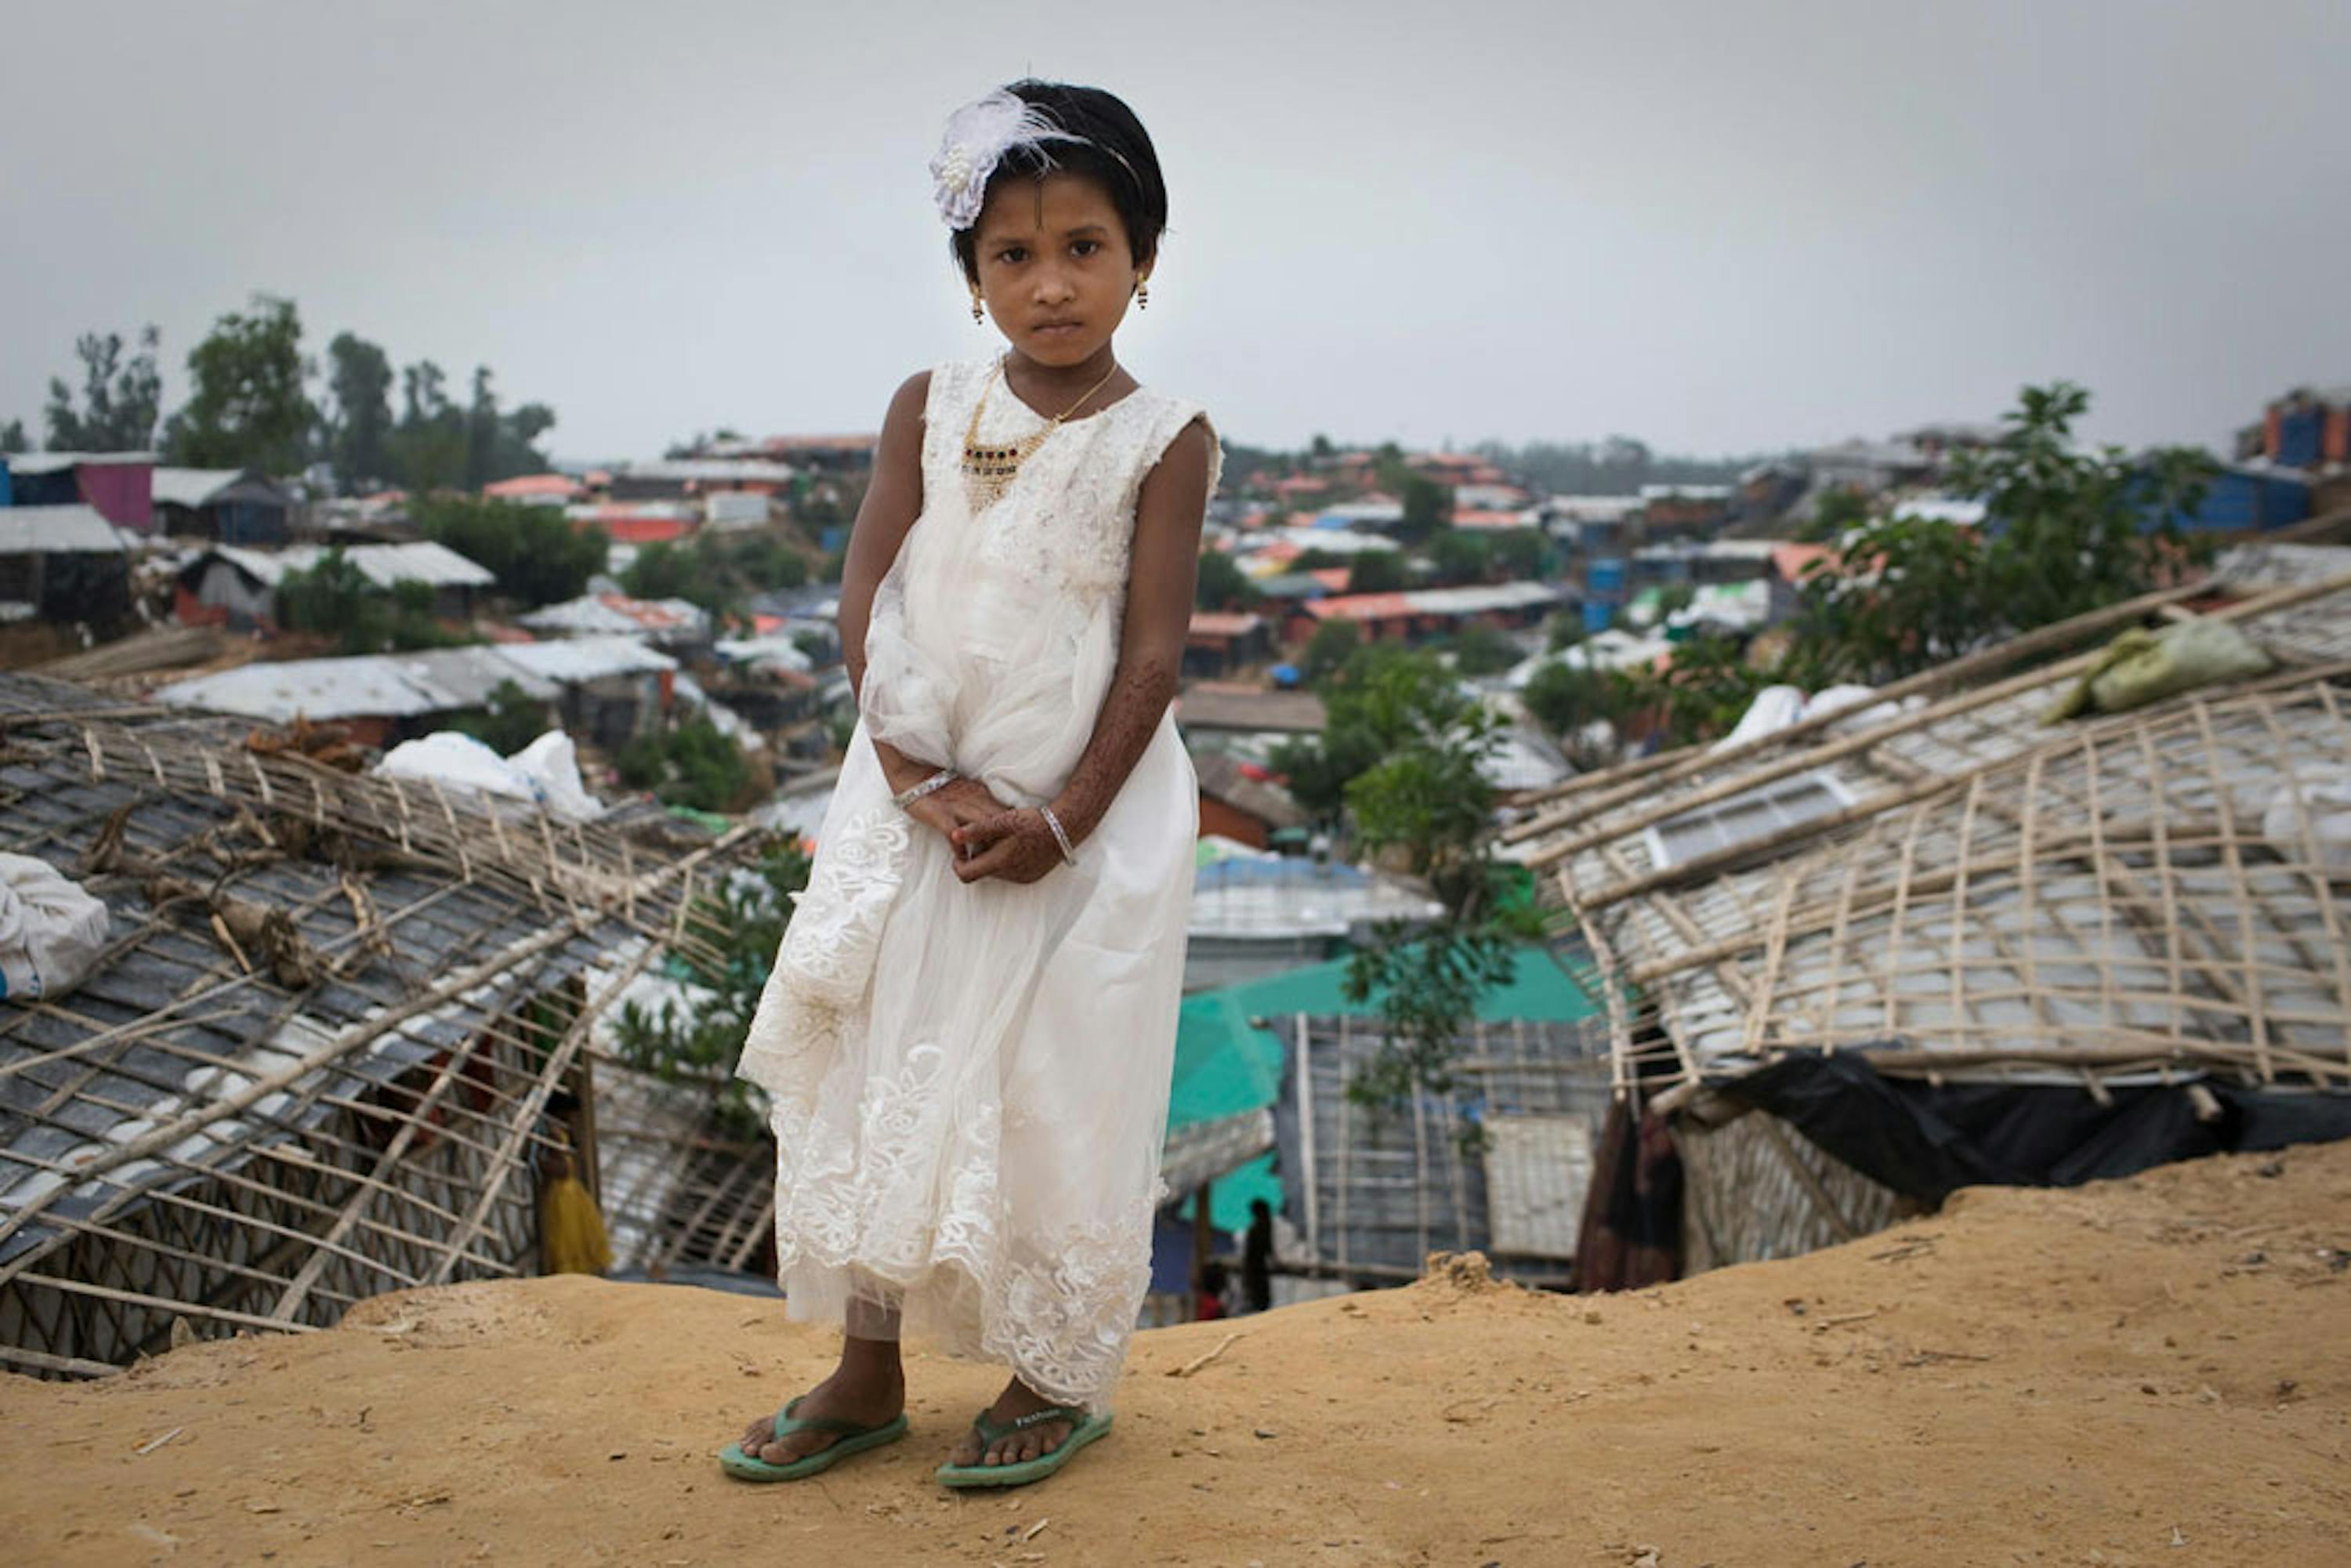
<point>51,931</point>
<point>2325,804</point>
<point>1779,708</point>
<point>545,771</point>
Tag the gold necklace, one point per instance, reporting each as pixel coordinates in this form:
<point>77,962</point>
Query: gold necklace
<point>988,471</point>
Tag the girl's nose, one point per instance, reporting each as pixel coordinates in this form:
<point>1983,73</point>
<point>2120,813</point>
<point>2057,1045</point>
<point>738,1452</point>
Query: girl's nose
<point>1053,288</point>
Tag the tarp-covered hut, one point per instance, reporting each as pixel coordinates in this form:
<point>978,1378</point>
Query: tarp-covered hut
<point>1932,939</point>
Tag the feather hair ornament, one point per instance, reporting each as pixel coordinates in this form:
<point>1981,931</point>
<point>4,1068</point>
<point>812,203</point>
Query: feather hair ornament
<point>978,137</point>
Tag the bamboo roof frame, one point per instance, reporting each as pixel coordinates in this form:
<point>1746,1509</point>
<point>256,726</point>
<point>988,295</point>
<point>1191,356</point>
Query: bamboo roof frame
<point>2083,904</point>
<point>314,1060</point>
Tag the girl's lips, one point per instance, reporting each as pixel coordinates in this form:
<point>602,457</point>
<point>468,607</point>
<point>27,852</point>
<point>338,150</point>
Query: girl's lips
<point>1059,327</point>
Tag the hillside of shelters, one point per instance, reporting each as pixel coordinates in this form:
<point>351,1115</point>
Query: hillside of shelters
<point>388,838</point>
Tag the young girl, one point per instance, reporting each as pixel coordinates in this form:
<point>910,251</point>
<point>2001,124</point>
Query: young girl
<point>967,1038</point>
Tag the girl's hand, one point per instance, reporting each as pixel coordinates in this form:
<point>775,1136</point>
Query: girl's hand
<point>955,806</point>
<point>1014,845</point>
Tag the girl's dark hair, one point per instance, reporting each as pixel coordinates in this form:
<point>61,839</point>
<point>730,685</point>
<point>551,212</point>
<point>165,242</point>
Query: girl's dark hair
<point>1116,150</point>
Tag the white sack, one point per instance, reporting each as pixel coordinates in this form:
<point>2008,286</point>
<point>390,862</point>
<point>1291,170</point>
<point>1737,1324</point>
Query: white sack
<point>52,932</point>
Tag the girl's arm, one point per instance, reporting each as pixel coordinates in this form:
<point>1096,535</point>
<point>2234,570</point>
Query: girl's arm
<point>1164,561</point>
<point>893,499</point>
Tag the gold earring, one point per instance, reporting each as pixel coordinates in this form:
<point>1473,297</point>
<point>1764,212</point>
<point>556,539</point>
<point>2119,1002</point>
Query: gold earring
<point>1142,294</point>
<point>978,314</point>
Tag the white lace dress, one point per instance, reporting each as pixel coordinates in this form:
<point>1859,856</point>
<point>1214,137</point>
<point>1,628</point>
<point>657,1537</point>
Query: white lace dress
<point>970,1083</point>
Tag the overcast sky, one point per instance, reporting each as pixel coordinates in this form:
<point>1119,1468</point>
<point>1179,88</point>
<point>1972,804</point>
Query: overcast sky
<point>1720,228</point>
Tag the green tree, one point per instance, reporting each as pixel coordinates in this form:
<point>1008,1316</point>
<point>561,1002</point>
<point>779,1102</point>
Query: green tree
<point>693,764</point>
<point>334,599</point>
<point>1483,650</point>
<point>1427,505</point>
<point>12,438</point>
<point>1328,651</point>
<point>742,920</point>
<point>1221,583</point>
<point>2068,529</point>
<point>536,553</point>
<point>359,378</point>
<point>248,407</point>
<point>510,720</point>
<point>662,570</point>
<point>1374,704</point>
<point>1375,571</point>
<point>1701,693</point>
<point>1428,796</point>
<point>1568,702</point>
<point>427,448</point>
<point>1520,554</point>
<point>1460,555</point>
<point>120,399</point>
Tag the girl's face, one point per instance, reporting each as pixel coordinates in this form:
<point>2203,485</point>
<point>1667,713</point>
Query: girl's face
<point>1054,268</point>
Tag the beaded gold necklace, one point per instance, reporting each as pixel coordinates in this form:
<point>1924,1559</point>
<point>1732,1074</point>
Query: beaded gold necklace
<point>988,471</point>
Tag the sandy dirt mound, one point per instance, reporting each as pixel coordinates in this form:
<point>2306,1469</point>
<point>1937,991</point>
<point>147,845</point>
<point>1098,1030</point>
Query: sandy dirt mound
<point>2154,1372</point>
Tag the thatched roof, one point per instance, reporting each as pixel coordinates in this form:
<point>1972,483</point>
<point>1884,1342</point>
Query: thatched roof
<point>338,1020</point>
<point>1943,875</point>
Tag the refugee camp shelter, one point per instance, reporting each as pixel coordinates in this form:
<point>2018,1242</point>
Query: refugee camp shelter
<point>381,697</point>
<point>63,564</point>
<point>228,506</point>
<point>1230,1058</point>
<point>336,1024</point>
<point>1933,938</point>
<point>1502,1163</point>
<point>237,586</point>
<point>118,485</point>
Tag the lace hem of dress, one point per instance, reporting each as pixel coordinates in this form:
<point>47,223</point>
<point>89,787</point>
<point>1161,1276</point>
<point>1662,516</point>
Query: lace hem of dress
<point>1056,1303</point>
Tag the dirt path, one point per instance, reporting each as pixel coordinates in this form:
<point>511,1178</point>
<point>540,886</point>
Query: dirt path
<point>2156,1372</point>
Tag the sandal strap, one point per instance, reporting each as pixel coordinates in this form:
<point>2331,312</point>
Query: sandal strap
<point>990,1430</point>
<point>786,1424</point>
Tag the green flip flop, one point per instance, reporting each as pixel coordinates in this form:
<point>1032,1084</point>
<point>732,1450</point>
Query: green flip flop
<point>854,1438</point>
<point>1084,1427</point>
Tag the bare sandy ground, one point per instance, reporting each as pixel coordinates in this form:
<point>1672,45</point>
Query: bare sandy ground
<point>2156,1372</point>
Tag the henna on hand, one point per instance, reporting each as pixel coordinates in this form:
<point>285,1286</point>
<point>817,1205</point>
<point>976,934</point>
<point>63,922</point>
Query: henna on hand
<point>1017,846</point>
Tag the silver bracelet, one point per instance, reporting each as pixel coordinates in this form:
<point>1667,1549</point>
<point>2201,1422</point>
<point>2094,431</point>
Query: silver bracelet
<point>939,780</point>
<point>1060,835</point>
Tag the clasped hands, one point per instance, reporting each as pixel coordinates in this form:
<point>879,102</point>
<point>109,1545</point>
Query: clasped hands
<point>989,838</point>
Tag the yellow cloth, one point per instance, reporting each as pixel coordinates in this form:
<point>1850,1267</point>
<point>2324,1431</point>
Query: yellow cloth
<point>574,1231</point>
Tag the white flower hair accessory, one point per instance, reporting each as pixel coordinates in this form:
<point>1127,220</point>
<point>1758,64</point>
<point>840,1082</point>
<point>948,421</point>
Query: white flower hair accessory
<point>978,137</point>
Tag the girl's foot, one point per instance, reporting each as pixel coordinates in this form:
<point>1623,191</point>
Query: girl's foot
<point>868,1396</point>
<point>1030,1443</point>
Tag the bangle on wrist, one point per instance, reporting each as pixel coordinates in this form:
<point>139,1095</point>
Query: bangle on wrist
<point>936,782</point>
<point>1061,834</point>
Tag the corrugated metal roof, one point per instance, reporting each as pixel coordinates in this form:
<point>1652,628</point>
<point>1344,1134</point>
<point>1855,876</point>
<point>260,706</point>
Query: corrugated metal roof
<point>367,685</point>
<point>52,462</point>
<point>464,677</point>
<point>55,531</point>
<point>192,487</point>
<point>711,471</point>
<point>385,566</point>
<point>1470,601</point>
<point>424,561</point>
<point>587,658</point>
<point>617,614</point>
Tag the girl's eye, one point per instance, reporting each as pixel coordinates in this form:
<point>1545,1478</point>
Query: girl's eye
<point>1013,253</point>
<point>1087,247</point>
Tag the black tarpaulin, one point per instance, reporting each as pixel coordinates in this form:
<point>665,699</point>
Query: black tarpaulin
<point>1927,1141</point>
